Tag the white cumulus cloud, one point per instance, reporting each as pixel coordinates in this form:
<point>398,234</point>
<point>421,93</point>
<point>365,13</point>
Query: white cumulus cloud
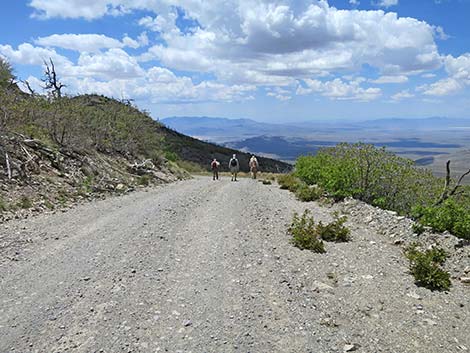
<point>405,94</point>
<point>242,44</point>
<point>385,3</point>
<point>79,42</point>
<point>391,79</point>
<point>459,77</point>
<point>340,90</point>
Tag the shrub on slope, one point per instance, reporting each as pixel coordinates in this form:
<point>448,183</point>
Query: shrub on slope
<point>384,179</point>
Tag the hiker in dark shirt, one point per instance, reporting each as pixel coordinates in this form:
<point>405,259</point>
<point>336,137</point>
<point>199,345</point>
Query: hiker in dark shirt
<point>215,169</point>
<point>234,166</point>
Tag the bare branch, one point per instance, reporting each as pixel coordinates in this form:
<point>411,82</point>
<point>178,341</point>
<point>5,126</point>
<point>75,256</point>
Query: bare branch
<point>463,176</point>
<point>28,86</point>
<point>7,158</point>
<point>50,79</point>
<point>446,193</point>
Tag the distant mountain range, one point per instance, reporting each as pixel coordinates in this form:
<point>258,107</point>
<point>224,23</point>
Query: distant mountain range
<point>223,130</point>
<point>427,141</point>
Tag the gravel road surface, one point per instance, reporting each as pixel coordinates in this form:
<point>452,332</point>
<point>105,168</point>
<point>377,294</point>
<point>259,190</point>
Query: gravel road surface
<point>206,266</point>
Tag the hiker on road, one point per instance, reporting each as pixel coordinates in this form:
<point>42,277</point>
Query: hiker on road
<point>215,169</point>
<point>234,166</point>
<point>253,164</point>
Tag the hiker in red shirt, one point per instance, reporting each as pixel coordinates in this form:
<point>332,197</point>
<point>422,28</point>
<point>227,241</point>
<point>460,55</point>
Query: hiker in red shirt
<point>215,169</point>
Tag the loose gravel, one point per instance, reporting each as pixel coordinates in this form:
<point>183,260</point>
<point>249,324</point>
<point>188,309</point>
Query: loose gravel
<point>207,266</point>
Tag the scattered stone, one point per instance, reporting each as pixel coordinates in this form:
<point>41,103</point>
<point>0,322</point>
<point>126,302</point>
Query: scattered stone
<point>120,187</point>
<point>350,347</point>
<point>430,322</point>
<point>465,280</point>
<point>414,295</point>
<point>320,287</point>
<point>187,323</point>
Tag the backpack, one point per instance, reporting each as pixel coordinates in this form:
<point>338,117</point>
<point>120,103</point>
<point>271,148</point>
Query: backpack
<point>214,165</point>
<point>233,162</point>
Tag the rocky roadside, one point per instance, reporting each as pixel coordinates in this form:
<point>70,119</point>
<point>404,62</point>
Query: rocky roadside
<point>36,178</point>
<point>398,229</point>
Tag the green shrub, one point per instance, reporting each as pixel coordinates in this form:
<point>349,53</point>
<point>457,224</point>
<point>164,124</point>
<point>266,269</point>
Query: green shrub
<point>334,231</point>
<point>87,184</point>
<point>171,156</point>
<point>371,174</point>
<point>63,196</point>
<point>25,202</point>
<point>3,205</point>
<point>425,267</point>
<point>144,180</point>
<point>6,73</point>
<point>190,167</point>
<point>266,182</point>
<point>304,234</point>
<point>288,182</point>
<point>308,193</point>
<point>417,228</point>
<point>450,216</point>
<point>49,204</point>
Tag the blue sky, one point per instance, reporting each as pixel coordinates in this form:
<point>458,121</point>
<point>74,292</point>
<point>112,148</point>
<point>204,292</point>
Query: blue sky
<point>267,60</point>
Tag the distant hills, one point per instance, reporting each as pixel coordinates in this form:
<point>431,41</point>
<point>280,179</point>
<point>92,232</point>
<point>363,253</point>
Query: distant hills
<point>427,141</point>
<point>224,130</point>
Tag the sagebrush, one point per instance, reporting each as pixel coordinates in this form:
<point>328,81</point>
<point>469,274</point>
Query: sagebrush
<point>334,231</point>
<point>304,233</point>
<point>426,267</point>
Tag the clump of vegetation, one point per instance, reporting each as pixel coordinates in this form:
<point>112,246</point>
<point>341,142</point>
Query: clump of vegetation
<point>304,233</point>
<point>308,193</point>
<point>190,167</point>
<point>266,182</point>
<point>370,174</point>
<point>25,202</point>
<point>308,235</point>
<point>63,196</point>
<point>450,215</point>
<point>171,156</point>
<point>270,176</point>
<point>87,184</point>
<point>417,228</point>
<point>426,267</point>
<point>335,231</point>
<point>3,205</point>
<point>288,182</point>
<point>49,204</point>
<point>386,180</point>
<point>144,180</point>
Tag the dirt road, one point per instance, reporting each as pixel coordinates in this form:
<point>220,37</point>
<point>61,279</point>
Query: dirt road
<point>203,266</point>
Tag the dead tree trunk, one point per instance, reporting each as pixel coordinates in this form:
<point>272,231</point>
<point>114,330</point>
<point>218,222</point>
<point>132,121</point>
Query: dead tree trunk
<point>448,192</point>
<point>51,81</point>
<point>7,158</point>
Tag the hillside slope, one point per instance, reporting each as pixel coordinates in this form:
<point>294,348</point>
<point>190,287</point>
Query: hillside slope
<point>201,153</point>
<point>54,152</point>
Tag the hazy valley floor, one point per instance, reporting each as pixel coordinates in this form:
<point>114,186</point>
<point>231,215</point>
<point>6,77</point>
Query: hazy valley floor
<point>203,266</point>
